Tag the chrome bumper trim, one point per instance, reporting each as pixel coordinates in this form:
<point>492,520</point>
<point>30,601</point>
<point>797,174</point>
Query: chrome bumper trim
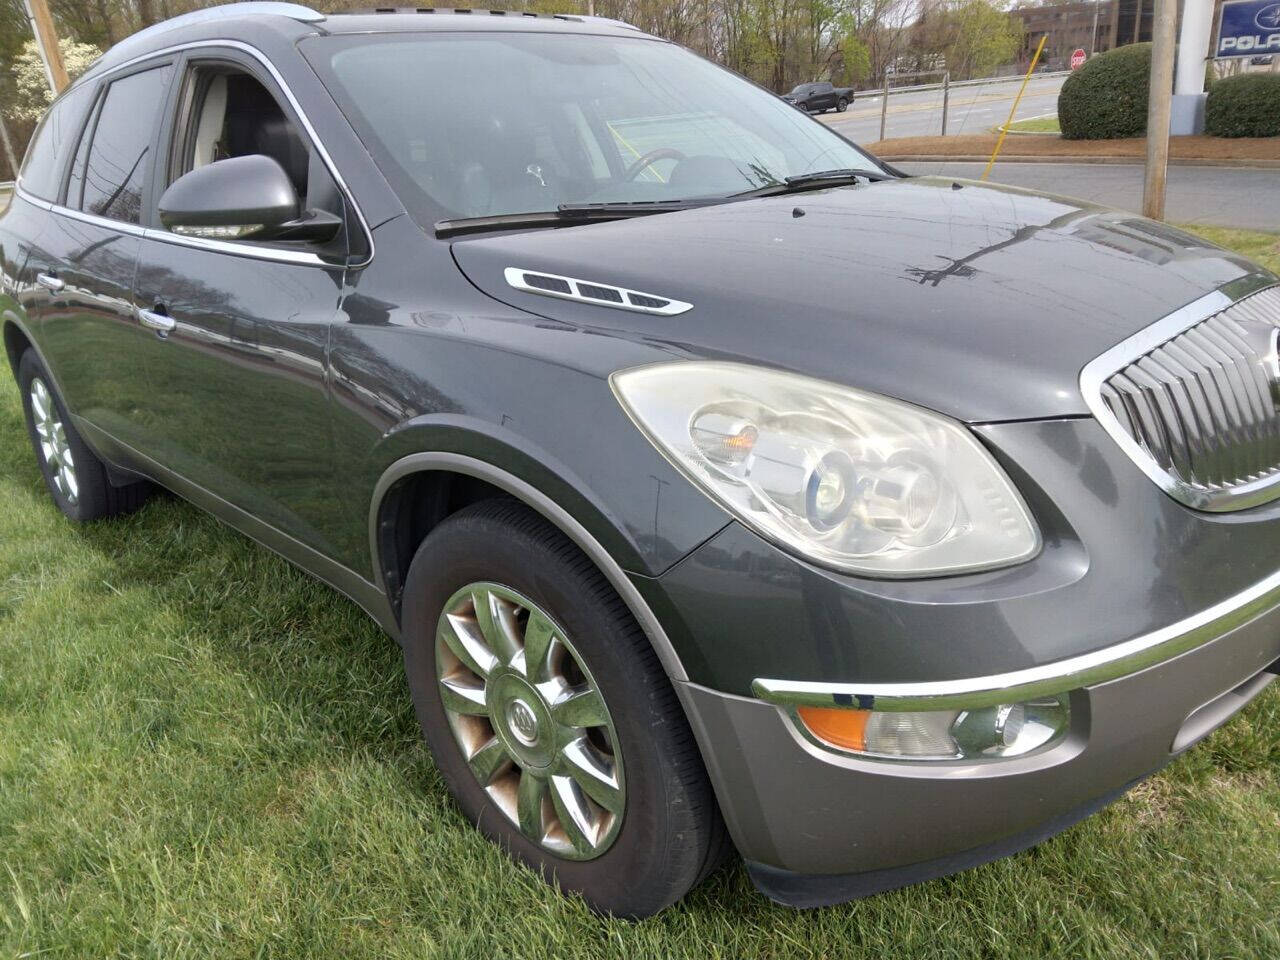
<point>1109,663</point>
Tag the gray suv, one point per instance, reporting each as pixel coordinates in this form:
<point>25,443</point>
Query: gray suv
<point>725,488</point>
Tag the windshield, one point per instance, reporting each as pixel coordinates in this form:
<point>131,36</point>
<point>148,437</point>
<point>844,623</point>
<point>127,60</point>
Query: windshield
<point>490,124</point>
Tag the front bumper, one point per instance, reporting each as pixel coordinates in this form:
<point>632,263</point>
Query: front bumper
<point>819,827</point>
<point>1158,621</point>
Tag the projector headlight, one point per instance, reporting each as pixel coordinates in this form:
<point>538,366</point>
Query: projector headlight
<point>850,480</point>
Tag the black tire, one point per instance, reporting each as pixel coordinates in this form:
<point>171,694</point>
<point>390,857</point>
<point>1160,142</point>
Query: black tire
<point>842,105</point>
<point>94,496</point>
<point>671,835</point>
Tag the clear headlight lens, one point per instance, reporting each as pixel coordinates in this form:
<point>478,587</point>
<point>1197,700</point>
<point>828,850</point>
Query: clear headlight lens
<point>848,479</point>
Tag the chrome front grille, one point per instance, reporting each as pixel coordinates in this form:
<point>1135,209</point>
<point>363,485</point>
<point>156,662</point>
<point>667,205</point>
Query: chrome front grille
<point>1195,400</point>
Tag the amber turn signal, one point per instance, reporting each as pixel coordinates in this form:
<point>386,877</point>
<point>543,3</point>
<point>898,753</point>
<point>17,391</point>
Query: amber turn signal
<point>838,727</point>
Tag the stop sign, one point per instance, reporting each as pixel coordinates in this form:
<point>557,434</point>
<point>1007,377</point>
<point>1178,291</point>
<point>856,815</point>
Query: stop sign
<point>1077,59</point>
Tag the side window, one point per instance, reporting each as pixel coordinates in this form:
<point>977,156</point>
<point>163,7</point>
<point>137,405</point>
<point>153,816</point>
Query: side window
<point>42,167</point>
<point>115,167</point>
<point>233,115</point>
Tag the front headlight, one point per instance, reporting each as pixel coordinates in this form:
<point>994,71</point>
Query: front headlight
<point>848,479</point>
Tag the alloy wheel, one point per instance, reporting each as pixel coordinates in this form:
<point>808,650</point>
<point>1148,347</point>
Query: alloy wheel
<point>53,441</point>
<point>530,720</point>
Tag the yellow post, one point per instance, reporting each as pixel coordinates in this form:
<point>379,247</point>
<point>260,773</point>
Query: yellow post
<point>1004,131</point>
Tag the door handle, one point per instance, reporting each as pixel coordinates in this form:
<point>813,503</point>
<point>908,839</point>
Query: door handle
<point>160,322</point>
<point>50,282</point>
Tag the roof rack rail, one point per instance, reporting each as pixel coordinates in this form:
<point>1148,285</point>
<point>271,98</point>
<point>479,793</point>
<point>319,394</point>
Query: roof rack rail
<point>364,11</point>
<point>226,11</point>
<point>574,17</point>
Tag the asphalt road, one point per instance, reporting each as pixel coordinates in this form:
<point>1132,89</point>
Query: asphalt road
<point>973,109</point>
<point>1214,196</point>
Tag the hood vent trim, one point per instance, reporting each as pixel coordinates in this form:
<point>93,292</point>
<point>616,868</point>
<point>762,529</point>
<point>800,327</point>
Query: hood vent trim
<point>590,291</point>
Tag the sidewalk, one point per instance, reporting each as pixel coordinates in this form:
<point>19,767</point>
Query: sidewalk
<point>1261,153</point>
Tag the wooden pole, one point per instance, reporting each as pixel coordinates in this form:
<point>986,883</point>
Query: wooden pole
<point>9,153</point>
<point>47,41</point>
<point>1004,131</point>
<point>1159,102</point>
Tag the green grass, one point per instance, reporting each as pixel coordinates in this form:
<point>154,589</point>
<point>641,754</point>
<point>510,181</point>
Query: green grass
<point>203,753</point>
<point>1034,125</point>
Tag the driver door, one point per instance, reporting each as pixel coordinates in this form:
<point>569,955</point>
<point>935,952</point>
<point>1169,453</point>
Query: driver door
<point>241,328</point>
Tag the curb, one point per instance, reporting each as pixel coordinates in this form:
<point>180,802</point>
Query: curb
<point>1132,161</point>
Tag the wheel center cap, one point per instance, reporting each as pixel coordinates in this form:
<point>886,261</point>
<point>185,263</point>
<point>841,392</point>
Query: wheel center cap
<point>522,722</point>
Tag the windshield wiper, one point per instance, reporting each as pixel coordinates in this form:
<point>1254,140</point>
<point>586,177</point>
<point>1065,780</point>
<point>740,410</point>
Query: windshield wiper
<point>816,180</point>
<point>636,208</point>
<point>567,214</point>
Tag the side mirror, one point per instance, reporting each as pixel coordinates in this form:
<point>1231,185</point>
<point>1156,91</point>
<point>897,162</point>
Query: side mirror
<point>247,197</point>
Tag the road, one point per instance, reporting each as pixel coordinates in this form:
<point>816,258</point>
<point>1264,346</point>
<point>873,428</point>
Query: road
<point>973,109</point>
<point>1214,196</point>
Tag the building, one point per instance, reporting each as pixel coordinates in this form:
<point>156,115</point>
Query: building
<point>1088,25</point>
<point>1070,26</point>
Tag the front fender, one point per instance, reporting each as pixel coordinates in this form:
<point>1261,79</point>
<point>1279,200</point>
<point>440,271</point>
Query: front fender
<point>509,461</point>
<point>553,512</point>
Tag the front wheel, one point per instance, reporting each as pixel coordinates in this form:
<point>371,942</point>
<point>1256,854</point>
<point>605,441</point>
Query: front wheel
<point>842,105</point>
<point>549,715</point>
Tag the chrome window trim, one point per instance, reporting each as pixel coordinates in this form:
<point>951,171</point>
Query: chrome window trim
<point>224,246</point>
<point>1096,372</point>
<point>1063,676</point>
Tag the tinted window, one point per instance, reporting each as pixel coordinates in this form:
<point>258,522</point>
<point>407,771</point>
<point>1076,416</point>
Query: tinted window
<point>120,153</point>
<point>42,168</point>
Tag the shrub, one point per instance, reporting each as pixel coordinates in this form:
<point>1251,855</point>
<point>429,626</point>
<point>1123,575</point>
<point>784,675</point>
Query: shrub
<point>1106,99</point>
<point>1247,105</point>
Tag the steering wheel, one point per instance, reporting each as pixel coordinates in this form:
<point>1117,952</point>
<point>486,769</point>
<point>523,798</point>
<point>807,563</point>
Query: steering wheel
<point>649,159</point>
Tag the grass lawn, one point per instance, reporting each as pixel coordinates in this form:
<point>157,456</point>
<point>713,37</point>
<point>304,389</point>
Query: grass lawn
<point>203,753</point>
<point>1034,125</point>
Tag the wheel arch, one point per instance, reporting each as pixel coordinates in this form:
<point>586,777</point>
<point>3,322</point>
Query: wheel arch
<point>422,489</point>
<point>16,342</point>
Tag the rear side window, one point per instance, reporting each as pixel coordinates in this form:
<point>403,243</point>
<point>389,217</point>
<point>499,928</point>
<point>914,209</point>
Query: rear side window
<point>119,155</point>
<point>54,139</point>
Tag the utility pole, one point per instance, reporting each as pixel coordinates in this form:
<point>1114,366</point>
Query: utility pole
<point>9,152</point>
<point>47,42</point>
<point>1158,106</point>
<point>1093,37</point>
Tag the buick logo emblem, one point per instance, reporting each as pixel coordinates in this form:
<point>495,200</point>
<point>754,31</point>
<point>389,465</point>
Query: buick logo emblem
<point>522,722</point>
<point>1268,18</point>
<point>1271,362</point>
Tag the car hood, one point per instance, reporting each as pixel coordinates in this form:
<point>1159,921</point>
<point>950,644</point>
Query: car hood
<point>979,301</point>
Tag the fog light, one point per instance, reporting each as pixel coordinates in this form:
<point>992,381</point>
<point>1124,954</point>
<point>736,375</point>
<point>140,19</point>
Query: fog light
<point>1008,730</point>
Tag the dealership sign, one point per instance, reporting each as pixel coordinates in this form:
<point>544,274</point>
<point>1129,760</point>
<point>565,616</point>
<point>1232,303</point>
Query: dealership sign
<point>1249,27</point>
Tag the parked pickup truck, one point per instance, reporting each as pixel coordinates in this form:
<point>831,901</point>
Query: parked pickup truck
<point>820,97</point>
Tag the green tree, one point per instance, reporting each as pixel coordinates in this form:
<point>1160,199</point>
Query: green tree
<point>855,59</point>
<point>982,38</point>
<point>31,95</point>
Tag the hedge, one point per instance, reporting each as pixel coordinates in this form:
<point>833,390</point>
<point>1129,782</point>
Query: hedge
<point>1106,99</point>
<point>1247,105</point>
